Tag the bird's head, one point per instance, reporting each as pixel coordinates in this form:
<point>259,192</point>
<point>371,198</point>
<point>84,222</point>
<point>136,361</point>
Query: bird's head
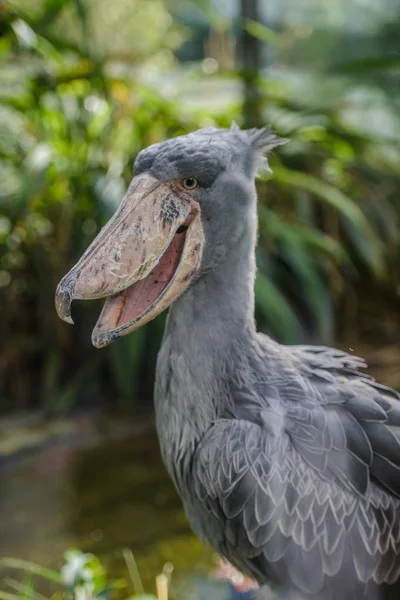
<point>185,208</point>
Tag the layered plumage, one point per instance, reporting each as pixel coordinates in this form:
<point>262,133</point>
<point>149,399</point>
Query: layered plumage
<point>287,458</point>
<point>303,475</point>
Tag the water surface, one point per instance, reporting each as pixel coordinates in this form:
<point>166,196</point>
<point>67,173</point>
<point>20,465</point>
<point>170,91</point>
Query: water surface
<point>99,497</point>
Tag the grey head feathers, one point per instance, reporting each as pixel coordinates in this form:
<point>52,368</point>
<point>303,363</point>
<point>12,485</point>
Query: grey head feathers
<point>225,162</point>
<point>209,152</point>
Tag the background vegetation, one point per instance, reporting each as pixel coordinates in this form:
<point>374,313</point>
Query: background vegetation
<point>85,84</point>
<point>81,577</point>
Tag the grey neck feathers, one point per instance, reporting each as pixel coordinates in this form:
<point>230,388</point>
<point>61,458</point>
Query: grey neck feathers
<point>220,305</point>
<point>207,330</point>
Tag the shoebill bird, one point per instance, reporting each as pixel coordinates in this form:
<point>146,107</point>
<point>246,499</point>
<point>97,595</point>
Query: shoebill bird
<point>287,458</point>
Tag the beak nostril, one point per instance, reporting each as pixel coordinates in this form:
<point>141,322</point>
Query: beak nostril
<point>182,229</point>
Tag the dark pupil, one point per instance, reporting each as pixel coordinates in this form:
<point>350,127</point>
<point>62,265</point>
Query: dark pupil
<point>190,182</point>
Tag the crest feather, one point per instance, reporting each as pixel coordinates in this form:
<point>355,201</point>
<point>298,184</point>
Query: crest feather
<point>234,127</point>
<point>262,140</point>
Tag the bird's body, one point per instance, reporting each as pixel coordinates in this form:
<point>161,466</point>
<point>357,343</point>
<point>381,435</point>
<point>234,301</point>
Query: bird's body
<point>267,453</point>
<point>287,459</point>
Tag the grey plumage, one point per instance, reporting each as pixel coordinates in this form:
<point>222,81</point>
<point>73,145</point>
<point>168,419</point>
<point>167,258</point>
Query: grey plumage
<point>287,459</point>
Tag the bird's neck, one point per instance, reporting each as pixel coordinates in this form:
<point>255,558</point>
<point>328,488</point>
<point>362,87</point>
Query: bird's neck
<point>207,330</point>
<point>220,305</point>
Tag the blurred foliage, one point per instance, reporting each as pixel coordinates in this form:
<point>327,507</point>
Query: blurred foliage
<point>82,577</point>
<point>84,85</point>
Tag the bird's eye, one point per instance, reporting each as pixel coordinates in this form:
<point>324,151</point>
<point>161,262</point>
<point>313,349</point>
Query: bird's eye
<point>190,183</point>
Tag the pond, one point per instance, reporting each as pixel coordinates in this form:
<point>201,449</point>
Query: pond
<point>76,486</point>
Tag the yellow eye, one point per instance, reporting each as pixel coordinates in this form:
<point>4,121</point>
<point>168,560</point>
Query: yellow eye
<point>190,183</point>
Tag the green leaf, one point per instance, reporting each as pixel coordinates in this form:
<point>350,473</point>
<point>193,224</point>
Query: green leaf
<point>343,204</point>
<point>133,570</point>
<point>368,63</point>
<point>126,359</point>
<point>276,310</point>
<point>8,596</point>
<point>25,589</point>
<point>51,10</point>
<point>216,19</point>
<point>30,567</point>
<point>262,32</point>
<point>66,396</point>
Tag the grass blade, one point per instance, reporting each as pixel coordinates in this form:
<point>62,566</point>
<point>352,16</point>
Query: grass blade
<point>26,591</point>
<point>133,571</point>
<point>30,567</point>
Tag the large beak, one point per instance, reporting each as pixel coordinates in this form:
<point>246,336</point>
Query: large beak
<point>141,261</point>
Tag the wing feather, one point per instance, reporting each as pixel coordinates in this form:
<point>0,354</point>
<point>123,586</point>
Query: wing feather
<point>304,472</point>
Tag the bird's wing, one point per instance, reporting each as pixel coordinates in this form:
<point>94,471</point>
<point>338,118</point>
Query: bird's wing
<point>299,478</point>
<point>281,522</point>
<point>353,419</point>
<point>341,421</point>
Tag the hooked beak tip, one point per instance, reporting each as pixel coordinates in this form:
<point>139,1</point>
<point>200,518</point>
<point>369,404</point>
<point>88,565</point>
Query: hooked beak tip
<point>68,320</point>
<point>63,299</point>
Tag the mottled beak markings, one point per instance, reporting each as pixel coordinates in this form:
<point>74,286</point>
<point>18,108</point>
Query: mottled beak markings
<point>141,261</point>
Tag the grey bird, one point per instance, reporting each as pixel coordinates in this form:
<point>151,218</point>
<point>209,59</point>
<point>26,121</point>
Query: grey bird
<point>287,458</point>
